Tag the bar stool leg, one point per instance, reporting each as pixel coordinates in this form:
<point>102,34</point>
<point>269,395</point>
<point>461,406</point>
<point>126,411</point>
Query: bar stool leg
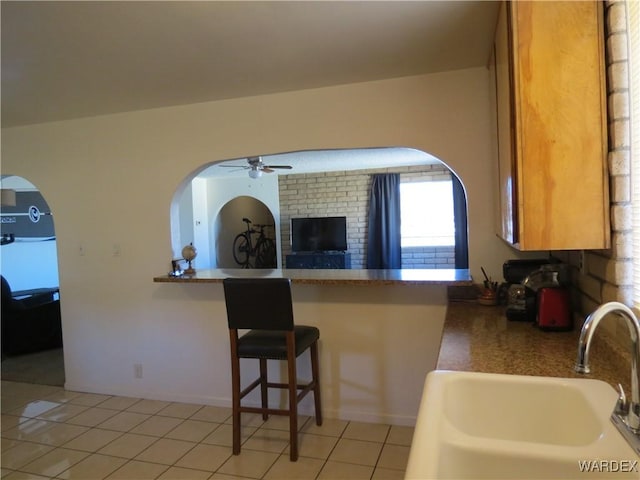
<point>263,388</point>
<point>315,373</point>
<point>293,397</point>
<point>235,389</point>
<point>235,374</point>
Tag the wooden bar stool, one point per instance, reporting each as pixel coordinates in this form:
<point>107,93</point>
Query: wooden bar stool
<point>263,306</point>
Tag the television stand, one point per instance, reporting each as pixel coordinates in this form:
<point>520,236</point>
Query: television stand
<point>319,260</point>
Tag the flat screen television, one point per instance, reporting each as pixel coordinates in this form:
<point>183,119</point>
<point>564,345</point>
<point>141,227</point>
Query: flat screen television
<point>319,234</point>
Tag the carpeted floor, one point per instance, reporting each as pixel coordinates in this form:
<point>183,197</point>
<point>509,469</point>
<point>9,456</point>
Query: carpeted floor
<point>44,368</point>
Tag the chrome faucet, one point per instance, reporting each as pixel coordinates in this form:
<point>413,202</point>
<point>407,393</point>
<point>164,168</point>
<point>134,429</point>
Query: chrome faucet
<point>626,415</point>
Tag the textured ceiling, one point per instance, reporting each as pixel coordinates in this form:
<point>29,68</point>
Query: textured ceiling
<point>64,60</point>
<point>326,161</point>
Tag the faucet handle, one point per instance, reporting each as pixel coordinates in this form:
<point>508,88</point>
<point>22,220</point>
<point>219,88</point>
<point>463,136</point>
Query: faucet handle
<point>622,405</point>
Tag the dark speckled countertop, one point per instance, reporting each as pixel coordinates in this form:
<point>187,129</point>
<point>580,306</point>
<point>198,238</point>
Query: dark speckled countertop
<point>479,338</point>
<point>333,277</point>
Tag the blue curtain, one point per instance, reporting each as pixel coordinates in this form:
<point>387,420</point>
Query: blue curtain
<point>460,220</point>
<point>383,248</point>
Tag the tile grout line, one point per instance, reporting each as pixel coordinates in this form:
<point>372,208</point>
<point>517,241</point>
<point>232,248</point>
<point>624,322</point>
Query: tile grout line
<point>326,460</point>
<point>89,428</point>
<point>25,399</point>
<point>386,437</point>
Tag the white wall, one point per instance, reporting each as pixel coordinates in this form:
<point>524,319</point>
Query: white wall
<point>113,314</point>
<point>200,225</point>
<point>184,218</point>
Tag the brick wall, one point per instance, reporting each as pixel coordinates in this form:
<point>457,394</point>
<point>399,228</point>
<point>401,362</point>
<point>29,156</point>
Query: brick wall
<point>428,257</point>
<point>346,193</point>
<point>606,275</point>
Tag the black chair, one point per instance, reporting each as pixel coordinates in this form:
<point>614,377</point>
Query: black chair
<point>263,306</point>
<point>29,324</point>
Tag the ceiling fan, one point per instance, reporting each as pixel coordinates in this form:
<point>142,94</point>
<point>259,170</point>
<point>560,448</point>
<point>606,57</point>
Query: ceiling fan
<point>256,167</point>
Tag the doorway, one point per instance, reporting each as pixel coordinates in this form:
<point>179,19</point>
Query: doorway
<point>31,322</point>
<point>229,224</point>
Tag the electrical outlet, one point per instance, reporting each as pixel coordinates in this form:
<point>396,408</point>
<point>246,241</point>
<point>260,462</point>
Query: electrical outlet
<point>116,250</point>
<point>137,370</point>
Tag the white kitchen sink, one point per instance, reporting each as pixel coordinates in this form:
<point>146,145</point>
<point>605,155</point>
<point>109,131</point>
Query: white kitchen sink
<point>479,425</point>
<point>523,409</point>
<point>466,462</point>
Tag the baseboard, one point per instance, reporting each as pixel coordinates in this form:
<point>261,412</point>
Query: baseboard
<point>341,414</point>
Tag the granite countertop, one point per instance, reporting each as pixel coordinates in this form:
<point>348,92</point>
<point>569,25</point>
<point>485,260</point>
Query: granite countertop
<point>479,338</point>
<point>332,277</point>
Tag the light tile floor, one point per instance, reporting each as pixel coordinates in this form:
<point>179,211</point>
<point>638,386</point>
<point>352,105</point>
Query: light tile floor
<point>48,432</point>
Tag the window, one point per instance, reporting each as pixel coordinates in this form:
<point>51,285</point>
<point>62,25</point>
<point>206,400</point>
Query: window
<point>426,214</point>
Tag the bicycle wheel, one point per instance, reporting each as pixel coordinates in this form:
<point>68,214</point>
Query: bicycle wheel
<point>266,254</point>
<point>241,250</point>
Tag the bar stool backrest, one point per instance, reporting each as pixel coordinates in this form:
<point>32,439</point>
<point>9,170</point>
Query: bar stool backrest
<point>259,303</point>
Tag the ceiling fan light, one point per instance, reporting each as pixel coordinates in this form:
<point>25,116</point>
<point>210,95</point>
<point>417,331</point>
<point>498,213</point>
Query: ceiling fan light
<point>255,173</point>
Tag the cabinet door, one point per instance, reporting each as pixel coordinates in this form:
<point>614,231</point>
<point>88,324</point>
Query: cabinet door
<point>551,95</point>
<point>507,221</point>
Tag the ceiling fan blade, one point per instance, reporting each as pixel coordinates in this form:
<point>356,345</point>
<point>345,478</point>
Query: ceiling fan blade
<point>288,167</point>
<point>234,166</point>
<point>266,169</point>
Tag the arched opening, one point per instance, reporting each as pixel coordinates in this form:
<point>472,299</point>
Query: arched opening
<point>327,183</point>
<point>31,323</point>
<point>240,244</point>
<point>196,215</point>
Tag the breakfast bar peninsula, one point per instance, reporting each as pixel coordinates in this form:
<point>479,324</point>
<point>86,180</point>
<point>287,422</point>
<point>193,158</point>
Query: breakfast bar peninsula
<point>380,333</point>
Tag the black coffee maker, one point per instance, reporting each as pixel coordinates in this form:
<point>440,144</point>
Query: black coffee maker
<point>521,301</point>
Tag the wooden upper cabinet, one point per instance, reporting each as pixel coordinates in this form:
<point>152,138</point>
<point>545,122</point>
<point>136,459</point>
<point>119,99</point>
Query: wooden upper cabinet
<point>552,139</point>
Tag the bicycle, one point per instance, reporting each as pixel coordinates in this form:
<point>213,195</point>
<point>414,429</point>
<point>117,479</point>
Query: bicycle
<point>264,250</point>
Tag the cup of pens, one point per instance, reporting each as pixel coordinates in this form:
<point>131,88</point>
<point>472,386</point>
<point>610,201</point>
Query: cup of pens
<point>489,291</point>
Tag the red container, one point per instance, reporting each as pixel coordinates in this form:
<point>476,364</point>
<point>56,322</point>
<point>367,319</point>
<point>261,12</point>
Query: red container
<point>554,309</point>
